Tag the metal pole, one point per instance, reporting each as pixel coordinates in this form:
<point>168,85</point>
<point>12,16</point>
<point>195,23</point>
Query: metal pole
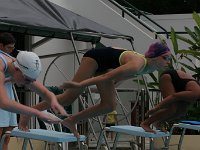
<point>142,116</point>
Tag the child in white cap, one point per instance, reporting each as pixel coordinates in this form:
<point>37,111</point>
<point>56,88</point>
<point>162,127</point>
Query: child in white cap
<point>24,70</point>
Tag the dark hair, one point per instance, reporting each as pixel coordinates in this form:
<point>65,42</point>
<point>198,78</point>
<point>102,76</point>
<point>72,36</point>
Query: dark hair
<point>7,38</point>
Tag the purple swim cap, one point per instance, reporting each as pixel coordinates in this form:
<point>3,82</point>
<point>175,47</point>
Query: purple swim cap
<point>157,49</point>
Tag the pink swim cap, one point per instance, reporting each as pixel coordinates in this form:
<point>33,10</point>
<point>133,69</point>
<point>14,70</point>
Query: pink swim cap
<point>157,49</point>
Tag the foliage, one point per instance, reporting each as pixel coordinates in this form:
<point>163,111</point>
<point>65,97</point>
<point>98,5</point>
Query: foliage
<point>193,50</point>
<point>190,54</point>
<point>193,114</point>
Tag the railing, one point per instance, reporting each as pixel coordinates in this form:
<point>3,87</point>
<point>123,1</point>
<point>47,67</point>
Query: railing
<point>136,14</point>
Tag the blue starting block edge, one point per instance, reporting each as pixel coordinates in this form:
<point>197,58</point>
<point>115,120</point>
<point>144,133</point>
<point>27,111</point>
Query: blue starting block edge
<point>138,131</point>
<point>185,124</point>
<point>188,126</point>
<point>190,122</point>
<point>46,135</point>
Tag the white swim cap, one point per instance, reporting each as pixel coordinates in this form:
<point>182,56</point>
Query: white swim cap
<point>29,64</point>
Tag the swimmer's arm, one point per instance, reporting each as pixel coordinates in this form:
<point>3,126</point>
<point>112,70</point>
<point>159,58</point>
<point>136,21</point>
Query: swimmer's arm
<point>123,72</point>
<point>187,96</point>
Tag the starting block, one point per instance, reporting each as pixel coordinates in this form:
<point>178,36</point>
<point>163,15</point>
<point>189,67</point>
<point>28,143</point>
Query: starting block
<point>44,135</point>
<point>138,132</point>
<point>185,124</point>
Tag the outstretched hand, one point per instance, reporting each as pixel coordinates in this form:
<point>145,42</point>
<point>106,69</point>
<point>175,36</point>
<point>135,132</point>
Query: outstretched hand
<point>70,84</point>
<point>49,118</point>
<point>58,109</point>
<point>46,117</point>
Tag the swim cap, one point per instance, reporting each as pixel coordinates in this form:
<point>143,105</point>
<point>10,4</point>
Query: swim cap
<point>157,49</point>
<point>29,64</point>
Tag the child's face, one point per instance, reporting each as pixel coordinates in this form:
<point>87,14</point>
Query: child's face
<point>164,61</point>
<point>7,48</point>
<point>21,79</point>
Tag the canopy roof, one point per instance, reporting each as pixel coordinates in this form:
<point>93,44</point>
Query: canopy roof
<point>43,18</point>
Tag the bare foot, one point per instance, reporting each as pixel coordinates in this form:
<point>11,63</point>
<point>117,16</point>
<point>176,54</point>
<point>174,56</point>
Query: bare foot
<point>147,128</point>
<point>68,122</point>
<point>23,122</point>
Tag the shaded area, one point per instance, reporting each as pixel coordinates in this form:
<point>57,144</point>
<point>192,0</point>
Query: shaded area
<point>165,6</point>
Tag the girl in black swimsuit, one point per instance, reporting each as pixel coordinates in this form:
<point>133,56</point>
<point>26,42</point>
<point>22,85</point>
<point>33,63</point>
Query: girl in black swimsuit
<point>179,90</point>
<point>103,67</point>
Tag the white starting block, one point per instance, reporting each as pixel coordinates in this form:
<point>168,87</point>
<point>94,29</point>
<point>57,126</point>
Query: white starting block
<point>44,135</point>
<point>192,125</point>
<point>137,131</point>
